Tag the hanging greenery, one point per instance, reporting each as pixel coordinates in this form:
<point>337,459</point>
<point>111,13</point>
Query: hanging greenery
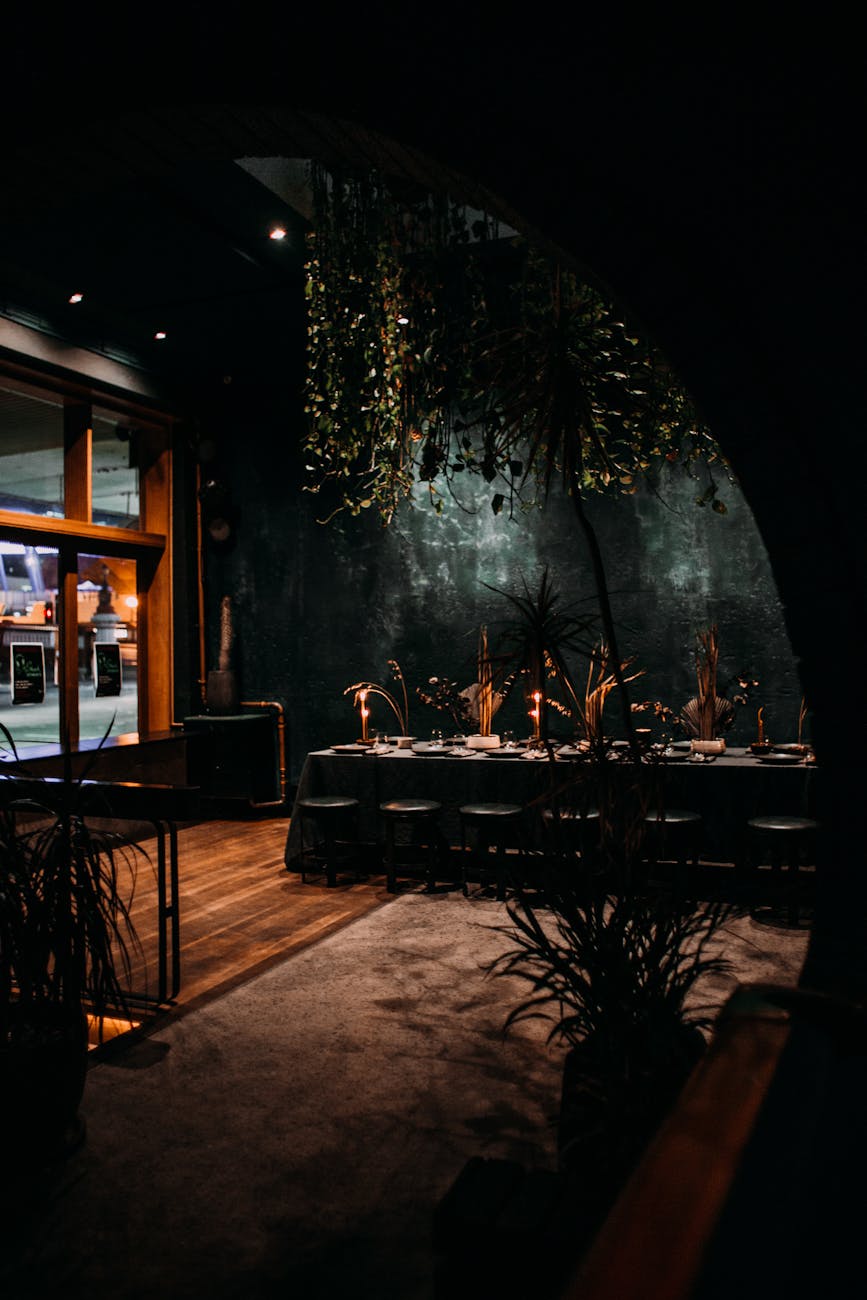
<point>437,348</point>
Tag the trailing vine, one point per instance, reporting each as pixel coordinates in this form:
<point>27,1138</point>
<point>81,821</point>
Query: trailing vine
<point>437,348</point>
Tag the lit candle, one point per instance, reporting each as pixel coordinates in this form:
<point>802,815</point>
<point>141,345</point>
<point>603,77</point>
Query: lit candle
<point>365,713</point>
<point>761,727</point>
<point>536,714</point>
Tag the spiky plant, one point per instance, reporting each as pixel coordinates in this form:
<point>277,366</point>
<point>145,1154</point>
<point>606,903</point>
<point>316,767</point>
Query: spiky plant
<point>66,891</point>
<point>613,974</point>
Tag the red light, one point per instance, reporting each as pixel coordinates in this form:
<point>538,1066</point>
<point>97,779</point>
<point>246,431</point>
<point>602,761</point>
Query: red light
<point>48,612</point>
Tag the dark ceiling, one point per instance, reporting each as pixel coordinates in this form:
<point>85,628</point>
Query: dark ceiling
<point>188,253</point>
<point>162,221</point>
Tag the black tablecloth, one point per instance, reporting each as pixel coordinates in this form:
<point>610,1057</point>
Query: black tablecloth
<point>727,791</point>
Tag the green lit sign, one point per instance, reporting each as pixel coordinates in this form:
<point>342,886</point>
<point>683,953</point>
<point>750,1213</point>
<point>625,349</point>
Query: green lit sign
<point>27,675</point>
<point>107,676</point>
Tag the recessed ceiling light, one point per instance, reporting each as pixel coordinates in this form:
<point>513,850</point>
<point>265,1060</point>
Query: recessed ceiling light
<point>277,232</point>
<point>76,297</point>
<point>160,334</point>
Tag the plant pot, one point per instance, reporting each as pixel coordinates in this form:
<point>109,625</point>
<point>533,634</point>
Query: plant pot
<point>717,746</point>
<point>221,695</point>
<point>602,1139</point>
<point>482,742</point>
<point>43,1066</point>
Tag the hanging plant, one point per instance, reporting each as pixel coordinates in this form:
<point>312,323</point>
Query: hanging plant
<point>436,348</point>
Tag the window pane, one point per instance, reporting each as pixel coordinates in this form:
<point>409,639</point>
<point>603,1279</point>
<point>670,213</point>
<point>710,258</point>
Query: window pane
<point>28,604</point>
<point>31,452</point>
<point>107,608</point>
<point>115,472</point>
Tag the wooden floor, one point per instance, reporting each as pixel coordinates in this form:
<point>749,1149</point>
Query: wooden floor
<point>240,911</point>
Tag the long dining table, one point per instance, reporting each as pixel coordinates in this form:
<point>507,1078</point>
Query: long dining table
<point>726,790</point>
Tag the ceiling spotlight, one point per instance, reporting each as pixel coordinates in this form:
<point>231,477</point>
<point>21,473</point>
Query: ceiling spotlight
<point>76,297</point>
<point>160,334</point>
<point>277,232</point>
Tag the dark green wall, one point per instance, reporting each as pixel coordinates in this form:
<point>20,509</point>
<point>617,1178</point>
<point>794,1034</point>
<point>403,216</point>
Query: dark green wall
<point>319,607</point>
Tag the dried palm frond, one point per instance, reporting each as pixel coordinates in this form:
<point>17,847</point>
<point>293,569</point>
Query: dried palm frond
<point>601,681</point>
<point>374,688</point>
<point>693,716</point>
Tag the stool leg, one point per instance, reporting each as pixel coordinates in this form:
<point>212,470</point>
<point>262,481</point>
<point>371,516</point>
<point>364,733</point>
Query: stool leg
<point>501,871</point>
<point>390,866</point>
<point>464,880</point>
<point>431,858</point>
<point>330,858</point>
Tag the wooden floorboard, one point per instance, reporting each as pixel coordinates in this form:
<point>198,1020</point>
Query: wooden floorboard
<point>240,911</point>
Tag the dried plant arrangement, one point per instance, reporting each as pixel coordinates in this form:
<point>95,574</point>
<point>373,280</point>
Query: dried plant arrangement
<point>485,679</point>
<point>711,712</point>
<point>601,681</point>
<point>399,707</point>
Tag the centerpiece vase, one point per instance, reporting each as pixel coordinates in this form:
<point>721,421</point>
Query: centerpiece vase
<point>483,742</point>
<point>717,746</point>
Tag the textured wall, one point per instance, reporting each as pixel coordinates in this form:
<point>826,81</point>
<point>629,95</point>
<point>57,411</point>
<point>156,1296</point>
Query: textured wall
<point>319,607</point>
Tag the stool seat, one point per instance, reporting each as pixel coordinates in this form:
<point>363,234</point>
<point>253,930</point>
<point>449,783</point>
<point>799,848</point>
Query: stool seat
<point>409,807</point>
<point>322,802</point>
<point>673,817</point>
<point>492,810</point>
<point>782,824</point>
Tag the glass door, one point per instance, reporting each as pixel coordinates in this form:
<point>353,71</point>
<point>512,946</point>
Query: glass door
<point>107,646</point>
<point>29,696</point>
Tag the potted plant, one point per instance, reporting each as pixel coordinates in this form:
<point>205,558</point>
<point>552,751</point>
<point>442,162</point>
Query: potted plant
<point>613,972</point>
<point>66,939</point>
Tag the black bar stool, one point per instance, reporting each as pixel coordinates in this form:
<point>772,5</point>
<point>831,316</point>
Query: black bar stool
<point>673,835</point>
<point>784,845</point>
<point>573,830</point>
<point>487,826</point>
<point>329,836</point>
<point>418,853</point>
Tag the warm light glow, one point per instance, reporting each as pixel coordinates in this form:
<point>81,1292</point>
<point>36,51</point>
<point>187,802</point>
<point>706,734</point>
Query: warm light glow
<point>277,232</point>
<point>101,1029</point>
<point>536,714</point>
<point>131,602</point>
<point>76,297</point>
<point>364,711</point>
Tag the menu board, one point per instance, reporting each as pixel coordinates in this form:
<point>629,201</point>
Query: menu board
<point>107,676</point>
<point>27,672</point>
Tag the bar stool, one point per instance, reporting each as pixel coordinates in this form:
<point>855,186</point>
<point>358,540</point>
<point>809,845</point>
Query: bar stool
<point>486,826</point>
<point>673,835</point>
<point>574,829</point>
<point>784,844</point>
<point>420,851</point>
<point>332,824</point>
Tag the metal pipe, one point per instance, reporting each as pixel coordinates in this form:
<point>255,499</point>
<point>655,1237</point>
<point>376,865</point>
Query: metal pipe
<point>281,748</point>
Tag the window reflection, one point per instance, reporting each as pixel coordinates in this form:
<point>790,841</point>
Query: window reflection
<point>28,617</point>
<point>31,452</point>
<point>115,490</point>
